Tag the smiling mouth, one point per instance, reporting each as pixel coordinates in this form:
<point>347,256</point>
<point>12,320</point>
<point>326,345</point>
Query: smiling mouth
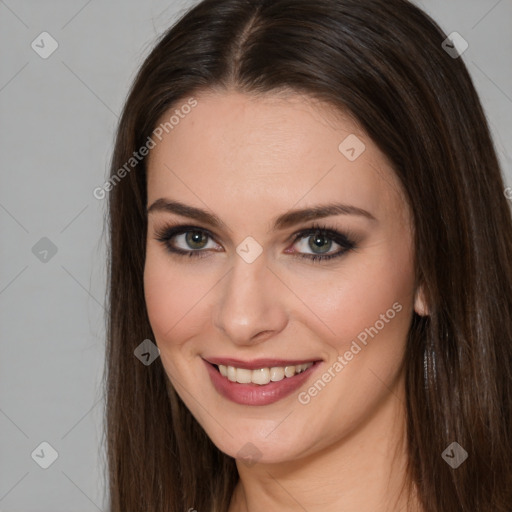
<point>261,376</point>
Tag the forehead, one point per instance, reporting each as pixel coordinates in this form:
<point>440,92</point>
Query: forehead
<point>274,150</point>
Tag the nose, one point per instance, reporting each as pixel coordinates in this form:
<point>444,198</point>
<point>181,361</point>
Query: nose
<point>251,304</point>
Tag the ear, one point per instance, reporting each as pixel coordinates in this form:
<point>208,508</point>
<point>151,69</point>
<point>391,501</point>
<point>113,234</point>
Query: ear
<point>420,304</point>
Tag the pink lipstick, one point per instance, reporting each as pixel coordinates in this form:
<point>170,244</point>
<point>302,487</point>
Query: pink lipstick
<point>276,378</point>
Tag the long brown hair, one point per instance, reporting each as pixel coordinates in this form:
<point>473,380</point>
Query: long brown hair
<point>383,62</point>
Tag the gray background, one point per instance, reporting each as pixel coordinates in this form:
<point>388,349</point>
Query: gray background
<point>58,117</point>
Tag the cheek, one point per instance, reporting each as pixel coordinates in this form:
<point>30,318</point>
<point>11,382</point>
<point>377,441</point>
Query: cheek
<point>169,295</point>
<point>374,296</point>
<point>369,310</point>
<point>160,300</point>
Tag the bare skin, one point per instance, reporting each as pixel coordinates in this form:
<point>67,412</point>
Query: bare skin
<point>248,160</point>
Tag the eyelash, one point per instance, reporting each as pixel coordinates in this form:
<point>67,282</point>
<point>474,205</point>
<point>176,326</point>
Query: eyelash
<point>165,234</point>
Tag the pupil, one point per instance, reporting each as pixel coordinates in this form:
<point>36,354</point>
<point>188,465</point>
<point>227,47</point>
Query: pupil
<point>194,238</point>
<point>319,241</point>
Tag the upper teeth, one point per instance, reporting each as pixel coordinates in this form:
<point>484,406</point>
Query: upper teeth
<point>261,376</point>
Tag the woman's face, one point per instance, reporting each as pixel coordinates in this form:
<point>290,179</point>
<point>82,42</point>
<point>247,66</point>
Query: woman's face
<point>251,176</point>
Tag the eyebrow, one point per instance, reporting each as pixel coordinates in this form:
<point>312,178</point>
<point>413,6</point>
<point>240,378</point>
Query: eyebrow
<point>283,221</point>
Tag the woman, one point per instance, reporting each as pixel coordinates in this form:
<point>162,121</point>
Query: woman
<point>307,219</point>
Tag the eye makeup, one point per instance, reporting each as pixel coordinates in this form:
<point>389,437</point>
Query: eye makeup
<point>318,235</point>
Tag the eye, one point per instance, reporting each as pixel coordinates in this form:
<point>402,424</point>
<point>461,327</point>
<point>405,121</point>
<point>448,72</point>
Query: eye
<point>185,240</point>
<point>193,241</point>
<point>320,240</point>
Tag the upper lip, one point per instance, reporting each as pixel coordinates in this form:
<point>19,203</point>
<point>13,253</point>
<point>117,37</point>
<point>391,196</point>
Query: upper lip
<point>257,363</point>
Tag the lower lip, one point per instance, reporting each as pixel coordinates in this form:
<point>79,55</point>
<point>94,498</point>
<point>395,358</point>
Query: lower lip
<point>254,394</point>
